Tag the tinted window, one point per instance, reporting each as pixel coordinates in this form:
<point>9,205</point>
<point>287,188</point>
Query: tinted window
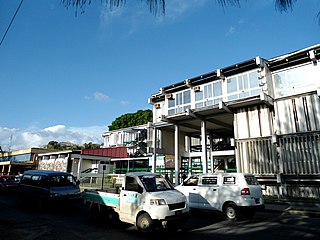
<point>26,179</point>
<point>251,180</point>
<point>131,184</point>
<point>229,180</point>
<point>209,180</point>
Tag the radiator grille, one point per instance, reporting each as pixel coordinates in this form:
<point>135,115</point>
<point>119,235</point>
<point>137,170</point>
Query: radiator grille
<point>177,205</point>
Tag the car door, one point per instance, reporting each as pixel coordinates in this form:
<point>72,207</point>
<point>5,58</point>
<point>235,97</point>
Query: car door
<point>190,189</point>
<point>209,193</point>
<point>130,198</point>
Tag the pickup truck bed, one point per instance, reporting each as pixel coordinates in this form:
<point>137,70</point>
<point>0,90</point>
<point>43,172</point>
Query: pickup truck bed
<point>100,197</point>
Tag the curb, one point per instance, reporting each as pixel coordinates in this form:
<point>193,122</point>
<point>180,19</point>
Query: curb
<point>287,208</point>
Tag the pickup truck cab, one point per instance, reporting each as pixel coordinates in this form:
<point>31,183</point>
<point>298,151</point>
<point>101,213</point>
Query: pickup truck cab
<point>234,194</point>
<point>146,200</point>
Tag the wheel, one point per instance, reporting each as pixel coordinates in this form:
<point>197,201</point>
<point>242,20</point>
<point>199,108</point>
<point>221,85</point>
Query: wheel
<point>144,223</point>
<point>231,212</point>
<point>95,213</point>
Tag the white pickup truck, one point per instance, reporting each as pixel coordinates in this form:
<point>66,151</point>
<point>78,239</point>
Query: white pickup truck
<point>146,200</point>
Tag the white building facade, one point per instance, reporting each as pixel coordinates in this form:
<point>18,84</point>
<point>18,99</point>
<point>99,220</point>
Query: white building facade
<point>259,116</point>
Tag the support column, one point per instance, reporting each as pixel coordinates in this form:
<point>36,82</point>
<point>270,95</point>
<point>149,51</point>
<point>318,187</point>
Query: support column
<point>79,167</point>
<point>188,149</point>
<point>204,155</point>
<point>210,153</point>
<point>176,154</point>
<point>154,145</point>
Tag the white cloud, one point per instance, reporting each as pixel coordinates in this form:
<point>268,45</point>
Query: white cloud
<point>124,103</point>
<point>231,30</point>
<point>177,8</point>
<point>56,129</point>
<point>17,139</point>
<point>101,97</point>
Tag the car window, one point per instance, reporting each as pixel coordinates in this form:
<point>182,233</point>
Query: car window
<point>229,180</point>
<point>192,181</point>
<point>251,180</point>
<point>209,180</point>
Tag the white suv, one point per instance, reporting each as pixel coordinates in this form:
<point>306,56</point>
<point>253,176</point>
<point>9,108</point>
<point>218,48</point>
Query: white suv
<point>234,194</point>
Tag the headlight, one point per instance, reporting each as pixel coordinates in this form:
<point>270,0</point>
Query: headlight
<point>157,202</point>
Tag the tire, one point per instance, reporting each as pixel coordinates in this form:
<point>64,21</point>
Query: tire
<point>231,212</point>
<point>144,223</point>
<point>95,215</point>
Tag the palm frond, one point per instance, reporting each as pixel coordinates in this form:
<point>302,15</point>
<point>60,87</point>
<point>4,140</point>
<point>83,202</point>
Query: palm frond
<point>155,6</point>
<point>284,5</point>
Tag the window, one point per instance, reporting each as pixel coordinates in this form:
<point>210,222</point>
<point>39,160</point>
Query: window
<point>209,180</point>
<point>295,80</point>
<point>192,181</point>
<point>180,104</point>
<point>210,95</point>
<point>35,180</point>
<point>229,180</point>
<point>243,85</point>
<point>131,184</point>
<point>251,180</point>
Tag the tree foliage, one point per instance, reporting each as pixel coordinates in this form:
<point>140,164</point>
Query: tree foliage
<point>54,145</point>
<point>131,119</point>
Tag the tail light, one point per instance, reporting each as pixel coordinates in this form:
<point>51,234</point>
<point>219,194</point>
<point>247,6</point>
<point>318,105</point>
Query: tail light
<point>245,191</point>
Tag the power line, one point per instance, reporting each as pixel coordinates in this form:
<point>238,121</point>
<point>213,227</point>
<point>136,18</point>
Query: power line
<point>14,16</point>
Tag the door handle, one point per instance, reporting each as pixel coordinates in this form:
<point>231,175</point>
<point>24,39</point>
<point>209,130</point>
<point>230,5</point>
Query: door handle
<point>214,190</point>
<point>124,195</point>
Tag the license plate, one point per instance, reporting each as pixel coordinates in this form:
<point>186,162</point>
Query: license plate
<point>178,212</point>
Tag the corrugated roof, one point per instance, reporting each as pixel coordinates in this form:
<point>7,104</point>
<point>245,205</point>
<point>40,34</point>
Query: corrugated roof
<point>115,152</point>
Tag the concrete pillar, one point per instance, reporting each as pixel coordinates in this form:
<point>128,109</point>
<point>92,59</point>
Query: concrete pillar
<point>79,167</point>
<point>204,155</point>
<point>210,153</point>
<point>188,149</point>
<point>154,145</point>
<point>176,154</point>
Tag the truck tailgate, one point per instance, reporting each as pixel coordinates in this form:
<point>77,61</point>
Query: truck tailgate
<point>108,199</point>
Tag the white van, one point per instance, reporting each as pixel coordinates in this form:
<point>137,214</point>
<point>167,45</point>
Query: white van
<point>234,194</point>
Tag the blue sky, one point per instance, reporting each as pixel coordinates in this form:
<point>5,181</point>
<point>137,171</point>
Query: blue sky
<point>66,78</point>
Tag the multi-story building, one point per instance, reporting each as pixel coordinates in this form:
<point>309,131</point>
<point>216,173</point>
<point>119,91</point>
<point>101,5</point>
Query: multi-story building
<point>134,139</point>
<point>260,116</point>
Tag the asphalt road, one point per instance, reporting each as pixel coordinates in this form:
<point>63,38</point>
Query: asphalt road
<point>20,221</point>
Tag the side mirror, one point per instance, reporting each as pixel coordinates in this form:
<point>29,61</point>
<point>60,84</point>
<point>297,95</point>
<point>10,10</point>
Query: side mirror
<point>78,182</point>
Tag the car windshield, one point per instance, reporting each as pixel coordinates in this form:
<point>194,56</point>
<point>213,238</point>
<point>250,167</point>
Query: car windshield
<point>156,183</point>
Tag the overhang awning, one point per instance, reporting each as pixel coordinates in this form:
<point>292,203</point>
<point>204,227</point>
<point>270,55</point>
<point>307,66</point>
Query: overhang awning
<point>129,159</point>
<point>219,117</point>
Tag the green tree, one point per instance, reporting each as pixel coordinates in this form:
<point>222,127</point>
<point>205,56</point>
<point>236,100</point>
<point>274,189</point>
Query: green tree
<point>131,119</point>
<point>90,145</point>
<point>54,145</point>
